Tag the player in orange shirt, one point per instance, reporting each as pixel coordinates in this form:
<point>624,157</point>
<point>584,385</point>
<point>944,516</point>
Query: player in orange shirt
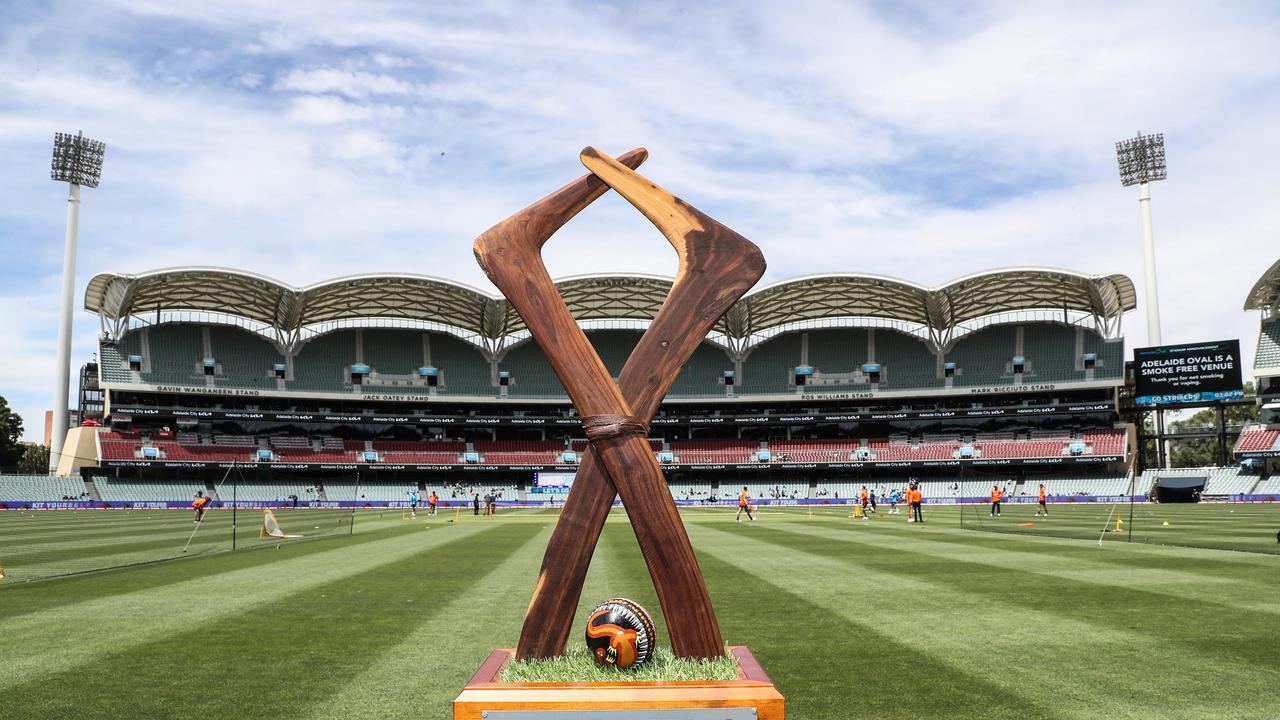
<point>432,501</point>
<point>862,496</point>
<point>996,496</point>
<point>1042,508</point>
<point>914,498</point>
<point>199,505</point>
<point>744,504</point>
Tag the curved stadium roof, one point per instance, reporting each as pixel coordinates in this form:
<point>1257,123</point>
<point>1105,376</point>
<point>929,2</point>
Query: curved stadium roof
<point>288,309</point>
<point>1265,294</point>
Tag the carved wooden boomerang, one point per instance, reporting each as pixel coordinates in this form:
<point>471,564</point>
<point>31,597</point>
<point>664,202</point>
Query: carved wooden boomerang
<point>717,266</point>
<point>509,254</point>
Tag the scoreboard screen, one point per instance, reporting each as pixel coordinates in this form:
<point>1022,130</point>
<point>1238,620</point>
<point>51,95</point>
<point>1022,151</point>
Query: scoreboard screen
<point>553,479</point>
<point>1193,373</point>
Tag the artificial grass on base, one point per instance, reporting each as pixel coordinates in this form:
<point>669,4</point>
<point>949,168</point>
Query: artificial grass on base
<point>577,665</point>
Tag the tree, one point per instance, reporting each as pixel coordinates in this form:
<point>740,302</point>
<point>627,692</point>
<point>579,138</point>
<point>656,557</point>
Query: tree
<point>11,451</point>
<point>1203,452</point>
<point>35,461</point>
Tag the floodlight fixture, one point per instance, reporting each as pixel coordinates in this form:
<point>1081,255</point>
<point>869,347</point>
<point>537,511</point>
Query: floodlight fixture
<point>77,160</point>
<point>1141,160</point>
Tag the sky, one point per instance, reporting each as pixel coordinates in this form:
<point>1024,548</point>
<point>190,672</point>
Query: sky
<point>921,140</point>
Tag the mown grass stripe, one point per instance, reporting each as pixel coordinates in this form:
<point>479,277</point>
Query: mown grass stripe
<point>425,669</point>
<point>21,598</point>
<point>1026,587</point>
<point>827,660</point>
<point>56,639</point>
<point>248,640</point>
<point>1012,645</point>
<point>957,546</point>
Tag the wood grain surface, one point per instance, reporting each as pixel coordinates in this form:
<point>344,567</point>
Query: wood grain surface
<point>753,689</point>
<point>710,253</point>
<point>717,266</point>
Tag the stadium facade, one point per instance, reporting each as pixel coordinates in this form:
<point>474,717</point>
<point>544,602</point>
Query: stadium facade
<point>363,388</point>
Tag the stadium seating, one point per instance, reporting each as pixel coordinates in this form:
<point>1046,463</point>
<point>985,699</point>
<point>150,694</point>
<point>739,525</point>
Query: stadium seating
<point>703,374</point>
<point>531,374</point>
<point>1110,355</point>
<point>16,488</point>
<point>324,363</point>
<point>392,352</point>
<point>1257,439</point>
<point>714,451</point>
<point>1050,353</point>
<point>983,357</point>
<point>520,452</point>
<point>113,358</point>
<point>837,350</point>
<point>614,347</point>
<point>1105,442</point>
<point>766,490</point>
<point>1083,485</point>
<point>172,354</point>
<point>812,451</point>
<point>769,367</point>
<point>1229,481</point>
<point>176,351</point>
<point>1268,353</point>
<point>168,490</point>
<point>1270,486</point>
<point>246,358</point>
<point>253,491</point>
<point>463,370</point>
<point>907,363</point>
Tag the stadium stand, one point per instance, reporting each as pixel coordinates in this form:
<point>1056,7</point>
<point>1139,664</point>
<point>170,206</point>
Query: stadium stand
<point>1050,352</point>
<point>21,488</point>
<point>985,357</point>
<point>703,374</point>
<point>175,354</point>
<point>836,324</point>
<point>1270,486</point>
<point>906,361</point>
<point>245,359</point>
<point>1257,439</point>
<point>531,374</point>
<point>1268,352</point>
<point>769,367</point>
<point>837,350</point>
<point>170,490</point>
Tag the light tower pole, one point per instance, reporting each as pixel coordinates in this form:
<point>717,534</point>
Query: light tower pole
<point>76,160</point>
<point>1141,161</point>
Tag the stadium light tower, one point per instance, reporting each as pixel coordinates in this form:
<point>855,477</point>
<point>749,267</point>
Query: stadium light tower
<point>1141,161</point>
<point>76,160</point>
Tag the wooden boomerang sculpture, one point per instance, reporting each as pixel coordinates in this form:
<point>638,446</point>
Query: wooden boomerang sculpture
<point>717,266</point>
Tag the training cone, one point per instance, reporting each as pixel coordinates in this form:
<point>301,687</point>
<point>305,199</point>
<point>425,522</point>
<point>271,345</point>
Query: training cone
<point>1165,523</point>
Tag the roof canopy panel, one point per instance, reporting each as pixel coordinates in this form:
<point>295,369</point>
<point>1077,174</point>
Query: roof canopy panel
<point>599,297</point>
<point>1265,294</point>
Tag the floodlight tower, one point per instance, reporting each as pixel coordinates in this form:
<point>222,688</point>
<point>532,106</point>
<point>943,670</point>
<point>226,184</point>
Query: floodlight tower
<point>1141,161</point>
<point>76,160</point>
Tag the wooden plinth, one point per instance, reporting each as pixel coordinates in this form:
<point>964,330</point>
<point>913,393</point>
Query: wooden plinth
<point>484,698</point>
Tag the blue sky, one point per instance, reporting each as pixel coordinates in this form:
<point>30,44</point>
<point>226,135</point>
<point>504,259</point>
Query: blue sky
<point>921,140</point>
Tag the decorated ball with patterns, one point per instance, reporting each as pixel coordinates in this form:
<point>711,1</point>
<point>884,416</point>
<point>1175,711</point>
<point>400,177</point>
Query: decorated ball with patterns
<point>620,633</point>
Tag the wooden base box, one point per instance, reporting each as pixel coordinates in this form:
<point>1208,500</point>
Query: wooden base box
<point>751,697</point>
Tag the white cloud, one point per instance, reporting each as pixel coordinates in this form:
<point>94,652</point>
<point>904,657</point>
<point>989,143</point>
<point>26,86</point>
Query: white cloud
<point>329,110</point>
<point>353,84</point>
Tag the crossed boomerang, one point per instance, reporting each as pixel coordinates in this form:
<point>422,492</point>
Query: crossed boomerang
<point>717,267</point>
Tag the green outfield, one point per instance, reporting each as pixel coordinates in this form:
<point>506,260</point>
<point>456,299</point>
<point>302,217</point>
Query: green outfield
<point>853,619</point>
